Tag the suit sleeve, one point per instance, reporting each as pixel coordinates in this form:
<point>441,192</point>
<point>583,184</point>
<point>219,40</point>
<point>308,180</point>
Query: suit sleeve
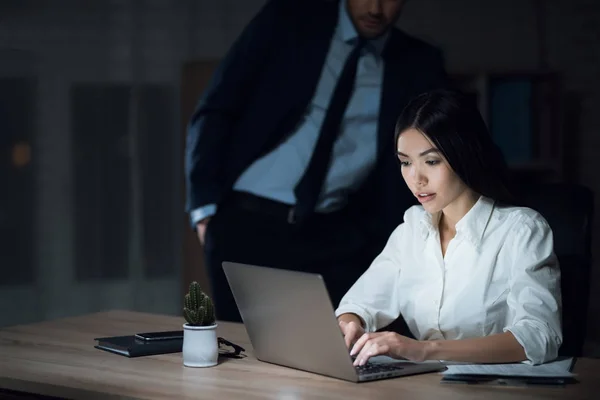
<point>222,103</point>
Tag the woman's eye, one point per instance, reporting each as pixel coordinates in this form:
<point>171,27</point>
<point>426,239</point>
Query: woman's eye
<point>404,163</point>
<point>433,162</point>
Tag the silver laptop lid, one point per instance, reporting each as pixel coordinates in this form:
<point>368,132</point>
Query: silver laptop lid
<point>280,308</point>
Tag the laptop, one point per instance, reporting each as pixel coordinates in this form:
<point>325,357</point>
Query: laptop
<point>291,322</point>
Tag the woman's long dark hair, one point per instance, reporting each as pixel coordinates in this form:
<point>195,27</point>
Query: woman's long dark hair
<point>451,120</point>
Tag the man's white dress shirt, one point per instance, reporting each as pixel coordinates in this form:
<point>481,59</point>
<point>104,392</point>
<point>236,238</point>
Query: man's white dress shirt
<point>499,274</point>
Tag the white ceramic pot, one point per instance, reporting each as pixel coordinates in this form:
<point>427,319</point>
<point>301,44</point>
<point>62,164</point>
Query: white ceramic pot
<point>200,347</point>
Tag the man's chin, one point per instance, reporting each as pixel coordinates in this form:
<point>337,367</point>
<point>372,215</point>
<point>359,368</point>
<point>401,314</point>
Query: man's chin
<point>371,33</point>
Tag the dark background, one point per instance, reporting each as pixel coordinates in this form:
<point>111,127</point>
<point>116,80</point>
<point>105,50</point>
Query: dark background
<point>91,131</point>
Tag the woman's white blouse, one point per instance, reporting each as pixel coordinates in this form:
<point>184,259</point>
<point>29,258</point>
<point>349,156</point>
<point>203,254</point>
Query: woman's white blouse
<point>499,274</point>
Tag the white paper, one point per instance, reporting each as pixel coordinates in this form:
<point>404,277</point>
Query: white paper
<point>557,368</point>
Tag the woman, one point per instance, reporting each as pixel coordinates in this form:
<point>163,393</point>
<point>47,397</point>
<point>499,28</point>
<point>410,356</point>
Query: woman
<point>475,278</point>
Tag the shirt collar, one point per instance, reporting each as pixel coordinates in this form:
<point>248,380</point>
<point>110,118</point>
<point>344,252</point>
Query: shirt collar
<point>347,31</point>
<point>472,226</point>
<point>428,223</point>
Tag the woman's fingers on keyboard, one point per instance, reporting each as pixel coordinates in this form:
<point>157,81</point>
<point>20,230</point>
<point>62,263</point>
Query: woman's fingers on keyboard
<point>369,345</point>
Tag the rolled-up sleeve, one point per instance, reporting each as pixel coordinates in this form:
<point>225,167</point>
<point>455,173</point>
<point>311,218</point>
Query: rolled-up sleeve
<point>535,297</point>
<point>374,296</point>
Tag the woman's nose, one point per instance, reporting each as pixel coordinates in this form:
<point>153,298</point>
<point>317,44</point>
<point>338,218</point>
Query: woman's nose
<point>419,178</point>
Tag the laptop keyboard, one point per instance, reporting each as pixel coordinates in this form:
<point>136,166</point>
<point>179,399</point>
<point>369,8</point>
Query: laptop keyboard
<point>373,368</point>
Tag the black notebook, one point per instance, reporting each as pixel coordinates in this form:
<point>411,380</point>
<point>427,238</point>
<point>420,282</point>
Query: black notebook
<point>129,346</point>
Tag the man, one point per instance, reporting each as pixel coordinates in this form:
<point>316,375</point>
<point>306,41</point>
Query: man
<point>290,158</point>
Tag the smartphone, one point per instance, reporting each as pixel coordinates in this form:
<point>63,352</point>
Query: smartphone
<point>152,336</point>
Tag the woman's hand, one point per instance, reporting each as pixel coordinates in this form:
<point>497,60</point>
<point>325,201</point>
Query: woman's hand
<point>351,329</point>
<point>390,344</point>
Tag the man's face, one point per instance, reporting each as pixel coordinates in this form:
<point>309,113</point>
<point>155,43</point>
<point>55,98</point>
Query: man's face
<point>373,17</point>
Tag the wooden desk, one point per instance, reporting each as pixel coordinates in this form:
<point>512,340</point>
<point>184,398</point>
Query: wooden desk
<point>57,358</point>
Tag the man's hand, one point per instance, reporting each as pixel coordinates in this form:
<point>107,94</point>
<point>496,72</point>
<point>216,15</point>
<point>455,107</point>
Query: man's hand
<point>201,229</point>
<point>390,344</point>
<point>351,328</point>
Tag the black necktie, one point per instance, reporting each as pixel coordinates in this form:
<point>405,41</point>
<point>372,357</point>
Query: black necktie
<point>309,187</point>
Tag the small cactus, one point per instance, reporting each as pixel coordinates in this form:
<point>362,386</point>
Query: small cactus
<point>198,308</point>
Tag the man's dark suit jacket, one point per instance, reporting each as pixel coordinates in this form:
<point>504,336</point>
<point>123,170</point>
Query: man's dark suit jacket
<point>261,91</point>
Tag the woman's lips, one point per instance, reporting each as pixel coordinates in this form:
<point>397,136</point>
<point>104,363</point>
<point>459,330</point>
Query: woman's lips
<point>425,199</point>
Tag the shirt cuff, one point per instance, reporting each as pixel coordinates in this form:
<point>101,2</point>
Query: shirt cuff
<point>200,213</point>
<point>355,309</point>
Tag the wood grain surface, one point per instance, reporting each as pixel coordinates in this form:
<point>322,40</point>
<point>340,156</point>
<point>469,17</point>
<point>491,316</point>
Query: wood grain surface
<point>58,358</point>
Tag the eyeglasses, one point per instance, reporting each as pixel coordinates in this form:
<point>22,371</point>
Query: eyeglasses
<point>228,352</point>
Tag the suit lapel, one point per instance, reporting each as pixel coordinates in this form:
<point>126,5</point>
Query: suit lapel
<point>396,89</point>
<point>312,45</point>
<point>296,71</point>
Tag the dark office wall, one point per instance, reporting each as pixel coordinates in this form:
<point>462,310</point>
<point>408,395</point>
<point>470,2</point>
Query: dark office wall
<point>144,42</point>
<point>17,104</point>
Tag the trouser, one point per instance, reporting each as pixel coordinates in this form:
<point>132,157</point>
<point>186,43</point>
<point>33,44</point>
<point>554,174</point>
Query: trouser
<point>253,230</point>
